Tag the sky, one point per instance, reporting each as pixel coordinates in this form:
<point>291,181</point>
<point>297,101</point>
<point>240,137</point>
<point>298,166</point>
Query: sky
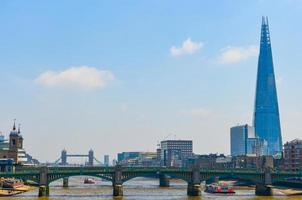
<point>117,76</point>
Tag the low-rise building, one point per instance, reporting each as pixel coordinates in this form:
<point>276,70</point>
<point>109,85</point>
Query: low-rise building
<point>127,155</point>
<point>6,165</point>
<point>138,159</point>
<point>292,155</point>
<point>253,162</point>
<point>211,161</point>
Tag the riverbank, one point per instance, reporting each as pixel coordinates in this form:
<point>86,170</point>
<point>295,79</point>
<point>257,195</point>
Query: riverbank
<point>288,192</point>
<point>15,191</point>
<point>279,191</point>
<point>5,193</point>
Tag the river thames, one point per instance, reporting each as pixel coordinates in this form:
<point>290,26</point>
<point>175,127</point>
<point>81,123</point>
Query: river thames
<point>136,189</point>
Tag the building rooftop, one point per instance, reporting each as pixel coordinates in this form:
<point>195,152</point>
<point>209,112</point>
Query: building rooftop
<point>295,141</point>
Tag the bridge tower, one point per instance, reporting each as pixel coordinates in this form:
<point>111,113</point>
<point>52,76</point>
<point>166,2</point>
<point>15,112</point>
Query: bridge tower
<point>90,157</point>
<point>64,157</point>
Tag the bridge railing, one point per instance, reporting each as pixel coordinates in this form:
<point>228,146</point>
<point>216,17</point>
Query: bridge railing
<point>36,169</point>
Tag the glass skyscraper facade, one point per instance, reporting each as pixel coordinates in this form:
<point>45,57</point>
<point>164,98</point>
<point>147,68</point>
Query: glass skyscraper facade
<point>239,135</point>
<point>245,142</point>
<point>239,139</point>
<point>266,111</point>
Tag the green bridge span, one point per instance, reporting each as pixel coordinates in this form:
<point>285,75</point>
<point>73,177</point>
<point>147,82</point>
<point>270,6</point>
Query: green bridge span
<point>43,176</point>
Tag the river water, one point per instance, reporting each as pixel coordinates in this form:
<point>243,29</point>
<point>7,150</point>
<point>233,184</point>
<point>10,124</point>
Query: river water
<point>136,189</point>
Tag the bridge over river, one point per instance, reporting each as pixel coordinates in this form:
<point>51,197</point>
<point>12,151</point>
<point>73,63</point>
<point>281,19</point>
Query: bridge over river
<point>43,176</point>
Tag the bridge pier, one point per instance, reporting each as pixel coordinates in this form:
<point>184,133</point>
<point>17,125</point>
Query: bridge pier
<point>43,184</point>
<point>65,182</point>
<point>43,190</point>
<point>117,181</point>
<point>263,190</point>
<point>164,180</point>
<point>117,190</point>
<point>194,189</point>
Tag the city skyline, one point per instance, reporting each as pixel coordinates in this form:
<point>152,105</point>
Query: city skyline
<point>121,79</point>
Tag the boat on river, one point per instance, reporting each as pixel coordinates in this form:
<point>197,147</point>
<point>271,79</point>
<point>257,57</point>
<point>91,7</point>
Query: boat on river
<point>219,188</point>
<point>12,183</point>
<point>89,181</point>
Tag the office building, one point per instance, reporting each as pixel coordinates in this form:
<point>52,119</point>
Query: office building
<point>239,136</point>
<point>106,160</point>
<point>138,159</point>
<point>256,146</point>
<point>292,156</point>
<point>174,153</point>
<point>245,142</point>
<point>266,111</point>
<point>127,155</point>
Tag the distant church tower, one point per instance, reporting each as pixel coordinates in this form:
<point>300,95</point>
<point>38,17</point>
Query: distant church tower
<point>266,111</point>
<point>15,139</point>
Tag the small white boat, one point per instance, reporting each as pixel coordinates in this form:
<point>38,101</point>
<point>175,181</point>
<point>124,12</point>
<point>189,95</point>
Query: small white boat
<point>89,181</point>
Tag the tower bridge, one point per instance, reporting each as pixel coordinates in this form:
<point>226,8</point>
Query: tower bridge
<point>90,156</point>
<point>118,175</point>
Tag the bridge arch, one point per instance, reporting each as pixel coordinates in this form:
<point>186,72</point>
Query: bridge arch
<point>182,176</point>
<point>251,178</point>
<point>127,177</point>
<point>57,177</point>
<point>286,178</point>
<point>34,179</point>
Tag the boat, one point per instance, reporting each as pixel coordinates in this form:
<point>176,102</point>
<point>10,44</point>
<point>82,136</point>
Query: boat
<point>12,183</point>
<point>217,188</point>
<point>89,181</point>
<point>8,193</point>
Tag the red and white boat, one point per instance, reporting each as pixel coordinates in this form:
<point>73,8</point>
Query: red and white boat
<point>221,189</point>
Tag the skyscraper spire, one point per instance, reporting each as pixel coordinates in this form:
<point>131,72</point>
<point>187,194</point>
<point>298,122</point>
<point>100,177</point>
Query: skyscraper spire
<point>266,111</point>
<point>14,127</point>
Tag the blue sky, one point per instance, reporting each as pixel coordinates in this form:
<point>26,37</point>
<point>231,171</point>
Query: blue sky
<point>121,75</point>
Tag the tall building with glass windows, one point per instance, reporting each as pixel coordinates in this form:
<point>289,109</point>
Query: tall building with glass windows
<point>256,146</point>
<point>239,137</point>
<point>245,142</point>
<point>106,160</point>
<point>266,111</point>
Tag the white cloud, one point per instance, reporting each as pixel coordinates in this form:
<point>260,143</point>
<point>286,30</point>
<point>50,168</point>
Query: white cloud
<point>233,54</point>
<point>83,77</point>
<point>188,47</point>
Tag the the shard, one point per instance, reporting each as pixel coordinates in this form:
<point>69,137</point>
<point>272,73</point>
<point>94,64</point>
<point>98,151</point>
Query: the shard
<point>266,111</point>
